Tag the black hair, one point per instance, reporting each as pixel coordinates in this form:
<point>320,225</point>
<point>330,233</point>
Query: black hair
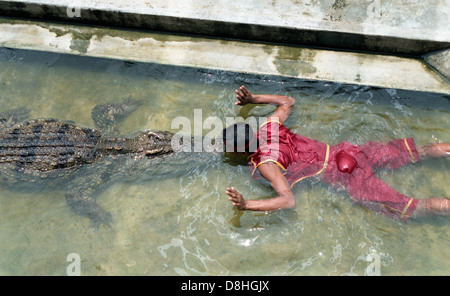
<point>239,137</point>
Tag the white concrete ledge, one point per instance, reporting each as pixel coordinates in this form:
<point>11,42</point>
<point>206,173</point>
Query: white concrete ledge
<point>235,56</point>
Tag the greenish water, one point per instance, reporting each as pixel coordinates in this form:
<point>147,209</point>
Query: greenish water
<point>186,226</point>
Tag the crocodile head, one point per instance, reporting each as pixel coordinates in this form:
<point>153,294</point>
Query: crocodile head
<point>151,143</point>
<point>158,159</point>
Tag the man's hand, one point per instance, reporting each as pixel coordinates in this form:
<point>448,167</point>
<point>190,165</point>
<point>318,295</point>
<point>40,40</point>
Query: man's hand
<point>285,104</point>
<point>236,199</point>
<point>244,96</point>
<point>284,201</point>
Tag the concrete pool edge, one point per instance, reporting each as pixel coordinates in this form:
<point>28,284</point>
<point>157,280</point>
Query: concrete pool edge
<point>226,55</point>
<point>409,28</point>
<point>345,25</point>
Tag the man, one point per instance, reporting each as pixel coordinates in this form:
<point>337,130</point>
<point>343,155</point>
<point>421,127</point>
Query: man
<point>285,158</point>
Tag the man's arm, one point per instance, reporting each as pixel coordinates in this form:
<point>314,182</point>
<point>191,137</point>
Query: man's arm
<point>285,104</point>
<point>284,200</point>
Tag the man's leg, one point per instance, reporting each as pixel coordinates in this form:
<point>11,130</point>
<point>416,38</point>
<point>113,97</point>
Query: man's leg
<point>378,196</point>
<point>391,155</point>
<point>365,188</point>
<point>433,205</point>
<point>374,194</point>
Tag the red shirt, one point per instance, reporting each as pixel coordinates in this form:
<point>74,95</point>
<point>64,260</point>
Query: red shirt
<point>298,157</point>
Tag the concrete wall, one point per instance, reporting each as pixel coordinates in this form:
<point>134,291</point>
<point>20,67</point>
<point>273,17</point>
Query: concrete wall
<point>400,27</point>
<point>227,55</point>
<point>399,44</point>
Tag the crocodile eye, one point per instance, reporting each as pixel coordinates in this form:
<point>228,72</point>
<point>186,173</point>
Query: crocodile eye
<point>153,134</point>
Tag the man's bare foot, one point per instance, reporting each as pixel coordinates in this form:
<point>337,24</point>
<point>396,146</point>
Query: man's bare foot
<point>434,150</point>
<point>433,206</point>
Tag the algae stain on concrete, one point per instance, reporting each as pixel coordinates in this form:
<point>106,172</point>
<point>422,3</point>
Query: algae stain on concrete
<point>293,61</point>
<point>80,42</point>
<point>82,34</point>
<point>80,39</point>
<point>339,4</point>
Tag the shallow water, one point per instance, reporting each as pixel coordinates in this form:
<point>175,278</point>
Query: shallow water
<point>185,225</point>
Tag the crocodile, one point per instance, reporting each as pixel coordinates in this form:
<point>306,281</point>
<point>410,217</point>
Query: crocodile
<point>80,159</point>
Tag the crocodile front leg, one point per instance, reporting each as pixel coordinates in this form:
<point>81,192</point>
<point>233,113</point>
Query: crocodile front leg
<point>80,195</point>
<point>106,116</point>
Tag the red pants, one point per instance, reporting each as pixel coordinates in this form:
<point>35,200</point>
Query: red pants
<point>363,186</point>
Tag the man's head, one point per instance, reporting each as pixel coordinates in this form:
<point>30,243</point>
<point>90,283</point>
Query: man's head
<point>239,138</point>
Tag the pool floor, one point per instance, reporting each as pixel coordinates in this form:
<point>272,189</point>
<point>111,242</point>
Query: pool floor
<point>185,225</point>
